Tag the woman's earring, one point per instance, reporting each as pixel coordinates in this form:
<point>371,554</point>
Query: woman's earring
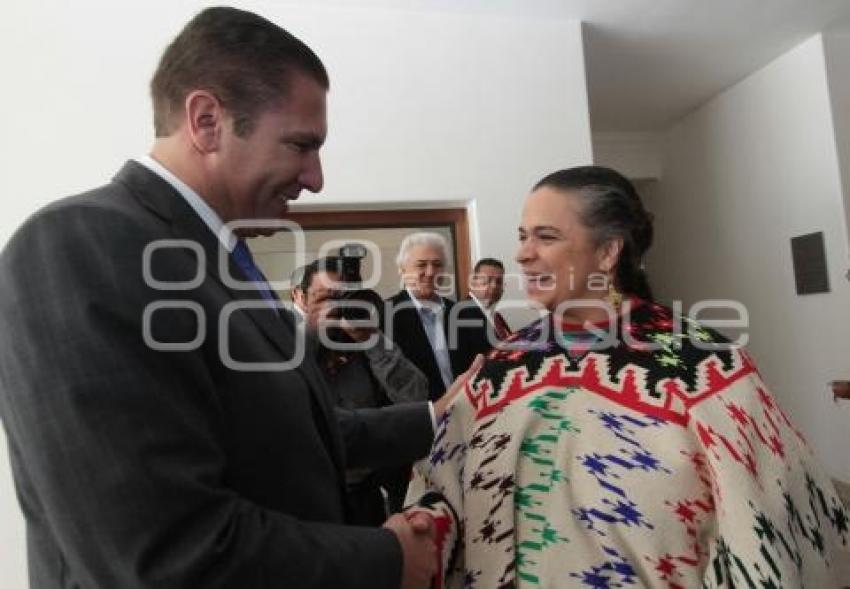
<point>614,296</point>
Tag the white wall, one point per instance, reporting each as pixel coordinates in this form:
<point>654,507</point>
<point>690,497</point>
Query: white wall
<point>837,51</point>
<point>423,107</point>
<point>743,174</point>
<point>637,155</point>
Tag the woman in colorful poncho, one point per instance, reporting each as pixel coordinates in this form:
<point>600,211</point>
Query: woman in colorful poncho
<point>614,444</point>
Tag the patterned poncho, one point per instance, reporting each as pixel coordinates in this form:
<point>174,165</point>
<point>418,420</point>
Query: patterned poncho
<point>661,461</point>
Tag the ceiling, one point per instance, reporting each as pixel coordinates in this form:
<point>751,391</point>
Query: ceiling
<point>649,62</point>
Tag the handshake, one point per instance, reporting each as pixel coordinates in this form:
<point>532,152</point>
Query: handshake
<point>415,531</point>
<point>415,528</point>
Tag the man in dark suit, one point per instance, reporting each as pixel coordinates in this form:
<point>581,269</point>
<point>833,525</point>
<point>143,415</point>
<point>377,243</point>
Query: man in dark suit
<point>478,325</point>
<point>165,427</point>
<point>418,318</point>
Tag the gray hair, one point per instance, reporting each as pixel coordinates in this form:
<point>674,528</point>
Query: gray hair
<point>422,238</point>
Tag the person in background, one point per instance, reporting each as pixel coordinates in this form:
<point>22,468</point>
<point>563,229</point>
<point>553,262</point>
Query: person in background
<point>486,288</point>
<point>393,378</point>
<point>614,444</point>
<point>375,376</point>
<point>163,428</point>
<point>418,316</point>
<point>480,326</point>
<point>313,287</point>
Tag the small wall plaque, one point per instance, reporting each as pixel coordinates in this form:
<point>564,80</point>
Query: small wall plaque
<point>809,257</point>
<point>840,389</point>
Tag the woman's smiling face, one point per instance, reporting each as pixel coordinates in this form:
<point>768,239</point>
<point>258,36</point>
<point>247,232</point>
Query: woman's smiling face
<point>557,252</point>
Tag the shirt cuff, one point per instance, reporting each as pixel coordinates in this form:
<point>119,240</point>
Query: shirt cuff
<point>433,413</point>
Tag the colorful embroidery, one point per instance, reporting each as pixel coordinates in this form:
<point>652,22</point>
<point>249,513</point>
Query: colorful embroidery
<point>660,462</point>
<point>538,453</point>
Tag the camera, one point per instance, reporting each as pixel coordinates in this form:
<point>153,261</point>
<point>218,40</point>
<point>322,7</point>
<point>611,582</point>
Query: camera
<point>369,302</point>
<point>350,257</point>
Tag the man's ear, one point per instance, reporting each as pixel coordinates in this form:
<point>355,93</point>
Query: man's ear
<point>609,254</point>
<point>204,119</point>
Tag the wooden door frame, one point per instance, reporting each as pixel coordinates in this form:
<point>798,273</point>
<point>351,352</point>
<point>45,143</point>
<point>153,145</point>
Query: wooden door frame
<point>454,218</point>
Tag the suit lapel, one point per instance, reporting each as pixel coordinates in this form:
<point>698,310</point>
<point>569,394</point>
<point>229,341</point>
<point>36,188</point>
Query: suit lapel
<point>447,311</point>
<point>414,322</point>
<point>278,328</point>
<point>455,353</point>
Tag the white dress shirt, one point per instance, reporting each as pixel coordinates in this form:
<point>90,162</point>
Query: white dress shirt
<point>488,311</point>
<point>436,334</point>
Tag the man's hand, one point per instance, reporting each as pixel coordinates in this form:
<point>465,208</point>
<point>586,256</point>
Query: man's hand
<point>418,549</point>
<point>421,521</point>
<point>443,402</point>
<point>359,333</point>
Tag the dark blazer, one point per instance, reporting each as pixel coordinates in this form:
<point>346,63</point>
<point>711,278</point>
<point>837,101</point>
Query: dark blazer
<point>139,467</point>
<point>475,330</point>
<point>406,330</point>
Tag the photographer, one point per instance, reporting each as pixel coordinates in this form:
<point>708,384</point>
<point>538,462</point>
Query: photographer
<point>376,376</point>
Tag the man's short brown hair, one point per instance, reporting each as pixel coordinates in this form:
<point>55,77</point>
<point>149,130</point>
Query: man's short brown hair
<point>243,59</point>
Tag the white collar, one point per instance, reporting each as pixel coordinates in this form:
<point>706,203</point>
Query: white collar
<point>196,201</point>
<point>435,306</point>
<point>484,308</point>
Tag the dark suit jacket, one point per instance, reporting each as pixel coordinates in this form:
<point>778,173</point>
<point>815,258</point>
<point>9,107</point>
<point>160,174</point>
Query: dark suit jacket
<point>475,330</point>
<point>137,467</point>
<point>406,330</point>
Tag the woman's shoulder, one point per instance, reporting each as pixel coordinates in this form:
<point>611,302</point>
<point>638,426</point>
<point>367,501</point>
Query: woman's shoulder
<point>646,326</point>
<point>675,360</point>
<point>667,341</point>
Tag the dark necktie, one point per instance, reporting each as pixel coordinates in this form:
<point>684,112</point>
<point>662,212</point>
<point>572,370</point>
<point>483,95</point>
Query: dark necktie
<point>502,329</point>
<point>243,258</point>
